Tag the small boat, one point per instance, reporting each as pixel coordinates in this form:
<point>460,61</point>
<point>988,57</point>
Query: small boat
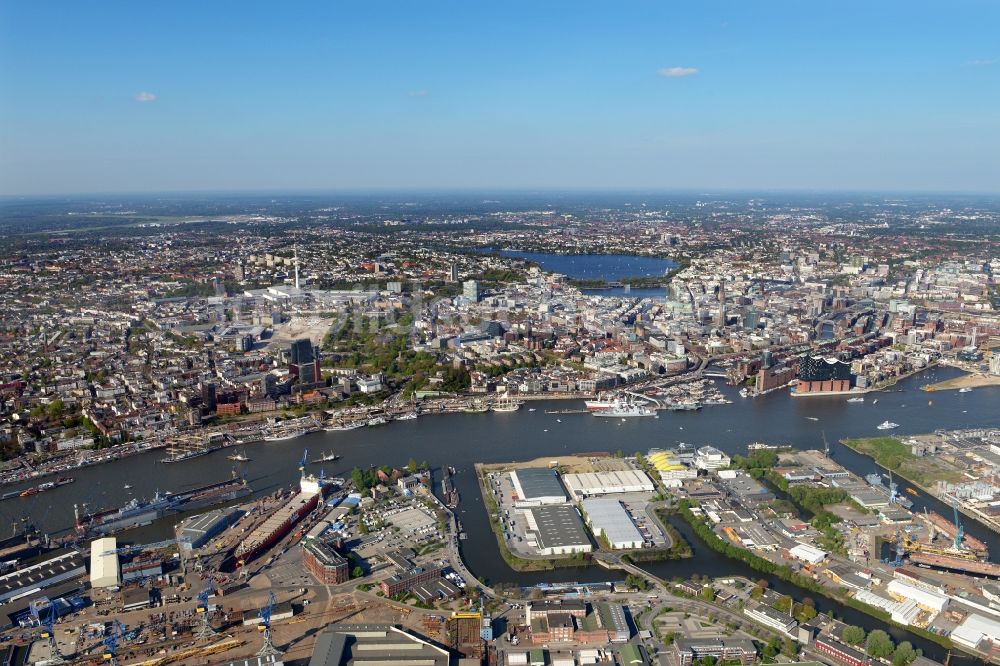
<point>812,418</point>
<point>911,491</point>
<point>875,401</point>
<point>238,457</point>
<point>856,400</point>
<point>377,421</point>
<point>531,409</point>
<point>127,487</point>
<point>326,457</point>
<point>409,416</point>
<point>965,389</point>
<point>887,425</point>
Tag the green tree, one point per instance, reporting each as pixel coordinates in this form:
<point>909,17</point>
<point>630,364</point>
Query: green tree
<point>55,409</point>
<point>707,593</point>
<point>853,635</point>
<point>879,644</point>
<point>357,572</point>
<point>411,466</point>
<point>903,654</point>
<point>770,650</point>
<point>789,648</point>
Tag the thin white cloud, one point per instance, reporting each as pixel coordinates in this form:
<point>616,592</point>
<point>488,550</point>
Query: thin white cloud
<point>676,72</point>
<point>983,62</point>
<point>145,97</point>
<point>417,93</point>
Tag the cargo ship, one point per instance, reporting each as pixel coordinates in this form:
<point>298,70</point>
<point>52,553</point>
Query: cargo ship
<point>955,564</point>
<point>946,526</point>
<point>311,490</point>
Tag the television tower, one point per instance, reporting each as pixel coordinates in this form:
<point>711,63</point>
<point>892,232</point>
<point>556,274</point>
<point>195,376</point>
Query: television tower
<point>296,251</point>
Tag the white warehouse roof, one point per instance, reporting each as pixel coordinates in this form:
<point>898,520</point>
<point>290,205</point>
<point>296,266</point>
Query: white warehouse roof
<point>609,518</point>
<point>807,553</point>
<point>925,599</point>
<point>104,568</point>
<point>606,483</point>
<point>974,629</point>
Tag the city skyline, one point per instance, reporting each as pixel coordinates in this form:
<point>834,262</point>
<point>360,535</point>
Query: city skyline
<point>124,98</point>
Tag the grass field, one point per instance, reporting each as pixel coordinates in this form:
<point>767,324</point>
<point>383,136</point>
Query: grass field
<point>893,454</point>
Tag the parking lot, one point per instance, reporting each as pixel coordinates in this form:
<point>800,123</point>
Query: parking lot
<point>636,505</point>
<point>413,521</point>
<point>512,521</point>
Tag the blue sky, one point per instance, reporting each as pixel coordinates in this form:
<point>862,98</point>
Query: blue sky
<point>142,96</point>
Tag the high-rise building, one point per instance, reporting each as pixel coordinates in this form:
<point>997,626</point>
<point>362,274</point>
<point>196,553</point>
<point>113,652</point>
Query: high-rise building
<point>453,273</point>
<point>470,290</point>
<point>208,396</point>
<point>722,303</point>
<point>301,351</point>
<point>303,362</point>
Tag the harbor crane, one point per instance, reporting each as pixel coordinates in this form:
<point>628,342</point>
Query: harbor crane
<point>267,650</point>
<point>205,631</point>
<point>111,643</point>
<point>304,461</point>
<point>900,548</point>
<point>45,612</point>
<point>959,528</point>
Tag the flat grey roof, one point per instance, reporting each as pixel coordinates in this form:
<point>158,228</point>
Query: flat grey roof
<point>539,482</point>
<point>343,645</point>
<point>611,517</point>
<point>559,525</point>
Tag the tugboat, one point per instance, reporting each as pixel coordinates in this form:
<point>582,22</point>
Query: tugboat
<point>326,457</point>
<point>238,457</point>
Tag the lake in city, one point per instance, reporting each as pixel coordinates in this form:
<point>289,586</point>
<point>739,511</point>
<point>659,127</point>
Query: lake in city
<point>608,267</point>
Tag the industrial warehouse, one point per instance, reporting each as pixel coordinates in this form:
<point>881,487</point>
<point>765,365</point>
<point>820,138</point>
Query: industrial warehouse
<point>538,518</point>
<point>607,483</point>
<point>536,486</point>
<point>609,519</point>
<point>557,530</point>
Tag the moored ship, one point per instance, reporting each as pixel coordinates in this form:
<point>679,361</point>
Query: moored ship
<point>281,522</point>
<point>624,409</point>
<point>212,494</point>
<point>135,513</point>
<point>188,455</point>
<point>506,405</point>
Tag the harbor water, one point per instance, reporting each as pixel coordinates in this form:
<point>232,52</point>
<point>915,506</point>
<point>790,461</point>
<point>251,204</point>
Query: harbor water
<point>461,440</point>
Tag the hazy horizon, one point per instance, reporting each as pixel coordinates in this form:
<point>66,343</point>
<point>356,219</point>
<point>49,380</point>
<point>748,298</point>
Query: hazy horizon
<point>125,97</point>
